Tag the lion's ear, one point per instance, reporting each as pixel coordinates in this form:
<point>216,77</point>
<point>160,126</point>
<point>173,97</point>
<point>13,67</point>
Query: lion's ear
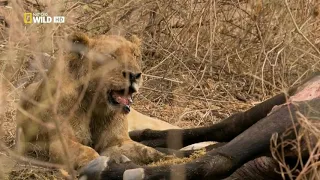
<point>79,42</point>
<point>135,40</point>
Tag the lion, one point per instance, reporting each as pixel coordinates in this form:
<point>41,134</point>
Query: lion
<point>80,109</point>
<point>139,121</point>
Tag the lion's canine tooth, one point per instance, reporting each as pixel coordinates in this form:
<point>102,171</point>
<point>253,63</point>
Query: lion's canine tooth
<point>130,99</point>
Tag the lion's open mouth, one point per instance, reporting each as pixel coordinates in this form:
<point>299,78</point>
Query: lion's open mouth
<point>121,98</point>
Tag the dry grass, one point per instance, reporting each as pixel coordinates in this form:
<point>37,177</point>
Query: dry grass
<point>169,160</point>
<point>203,60</point>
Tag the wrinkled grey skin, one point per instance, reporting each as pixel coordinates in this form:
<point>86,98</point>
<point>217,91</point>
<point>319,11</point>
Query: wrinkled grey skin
<point>247,135</point>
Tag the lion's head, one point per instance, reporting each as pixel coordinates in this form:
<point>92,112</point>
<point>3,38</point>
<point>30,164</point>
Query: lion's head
<point>108,66</point>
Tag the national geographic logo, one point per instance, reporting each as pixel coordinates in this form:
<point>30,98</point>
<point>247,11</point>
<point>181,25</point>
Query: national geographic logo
<point>41,18</point>
<point>27,18</point>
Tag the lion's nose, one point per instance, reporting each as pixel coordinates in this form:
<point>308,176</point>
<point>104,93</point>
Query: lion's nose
<point>132,76</point>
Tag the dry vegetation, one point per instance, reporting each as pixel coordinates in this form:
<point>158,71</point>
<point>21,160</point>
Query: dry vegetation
<point>203,59</point>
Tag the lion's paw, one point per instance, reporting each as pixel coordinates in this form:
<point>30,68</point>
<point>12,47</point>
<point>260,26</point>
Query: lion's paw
<point>141,154</point>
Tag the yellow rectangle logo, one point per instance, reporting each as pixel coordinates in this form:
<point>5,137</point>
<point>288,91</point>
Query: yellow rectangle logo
<point>27,18</point>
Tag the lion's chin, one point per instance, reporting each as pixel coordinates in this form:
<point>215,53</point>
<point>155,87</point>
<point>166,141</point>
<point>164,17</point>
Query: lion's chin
<point>121,99</point>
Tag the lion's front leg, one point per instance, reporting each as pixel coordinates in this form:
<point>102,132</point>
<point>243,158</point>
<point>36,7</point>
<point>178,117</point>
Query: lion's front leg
<point>136,152</point>
<point>79,155</point>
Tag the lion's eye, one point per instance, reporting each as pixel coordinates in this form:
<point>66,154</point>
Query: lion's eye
<point>102,58</point>
<point>113,56</point>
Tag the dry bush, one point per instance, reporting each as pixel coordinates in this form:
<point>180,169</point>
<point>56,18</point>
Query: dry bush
<point>308,140</point>
<point>203,60</point>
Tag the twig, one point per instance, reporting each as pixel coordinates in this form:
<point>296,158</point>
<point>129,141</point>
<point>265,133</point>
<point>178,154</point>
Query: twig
<point>299,30</point>
<point>31,161</point>
<point>167,79</point>
<point>194,97</point>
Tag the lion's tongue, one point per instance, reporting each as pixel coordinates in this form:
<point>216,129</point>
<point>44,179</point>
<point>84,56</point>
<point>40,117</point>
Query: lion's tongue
<point>122,99</point>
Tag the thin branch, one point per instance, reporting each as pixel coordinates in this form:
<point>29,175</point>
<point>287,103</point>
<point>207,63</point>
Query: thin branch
<point>299,30</point>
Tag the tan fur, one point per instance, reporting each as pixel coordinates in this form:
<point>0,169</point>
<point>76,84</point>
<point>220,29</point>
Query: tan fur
<point>139,121</point>
<point>52,110</point>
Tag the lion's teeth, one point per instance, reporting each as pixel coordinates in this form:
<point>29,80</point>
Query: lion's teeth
<point>130,99</point>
